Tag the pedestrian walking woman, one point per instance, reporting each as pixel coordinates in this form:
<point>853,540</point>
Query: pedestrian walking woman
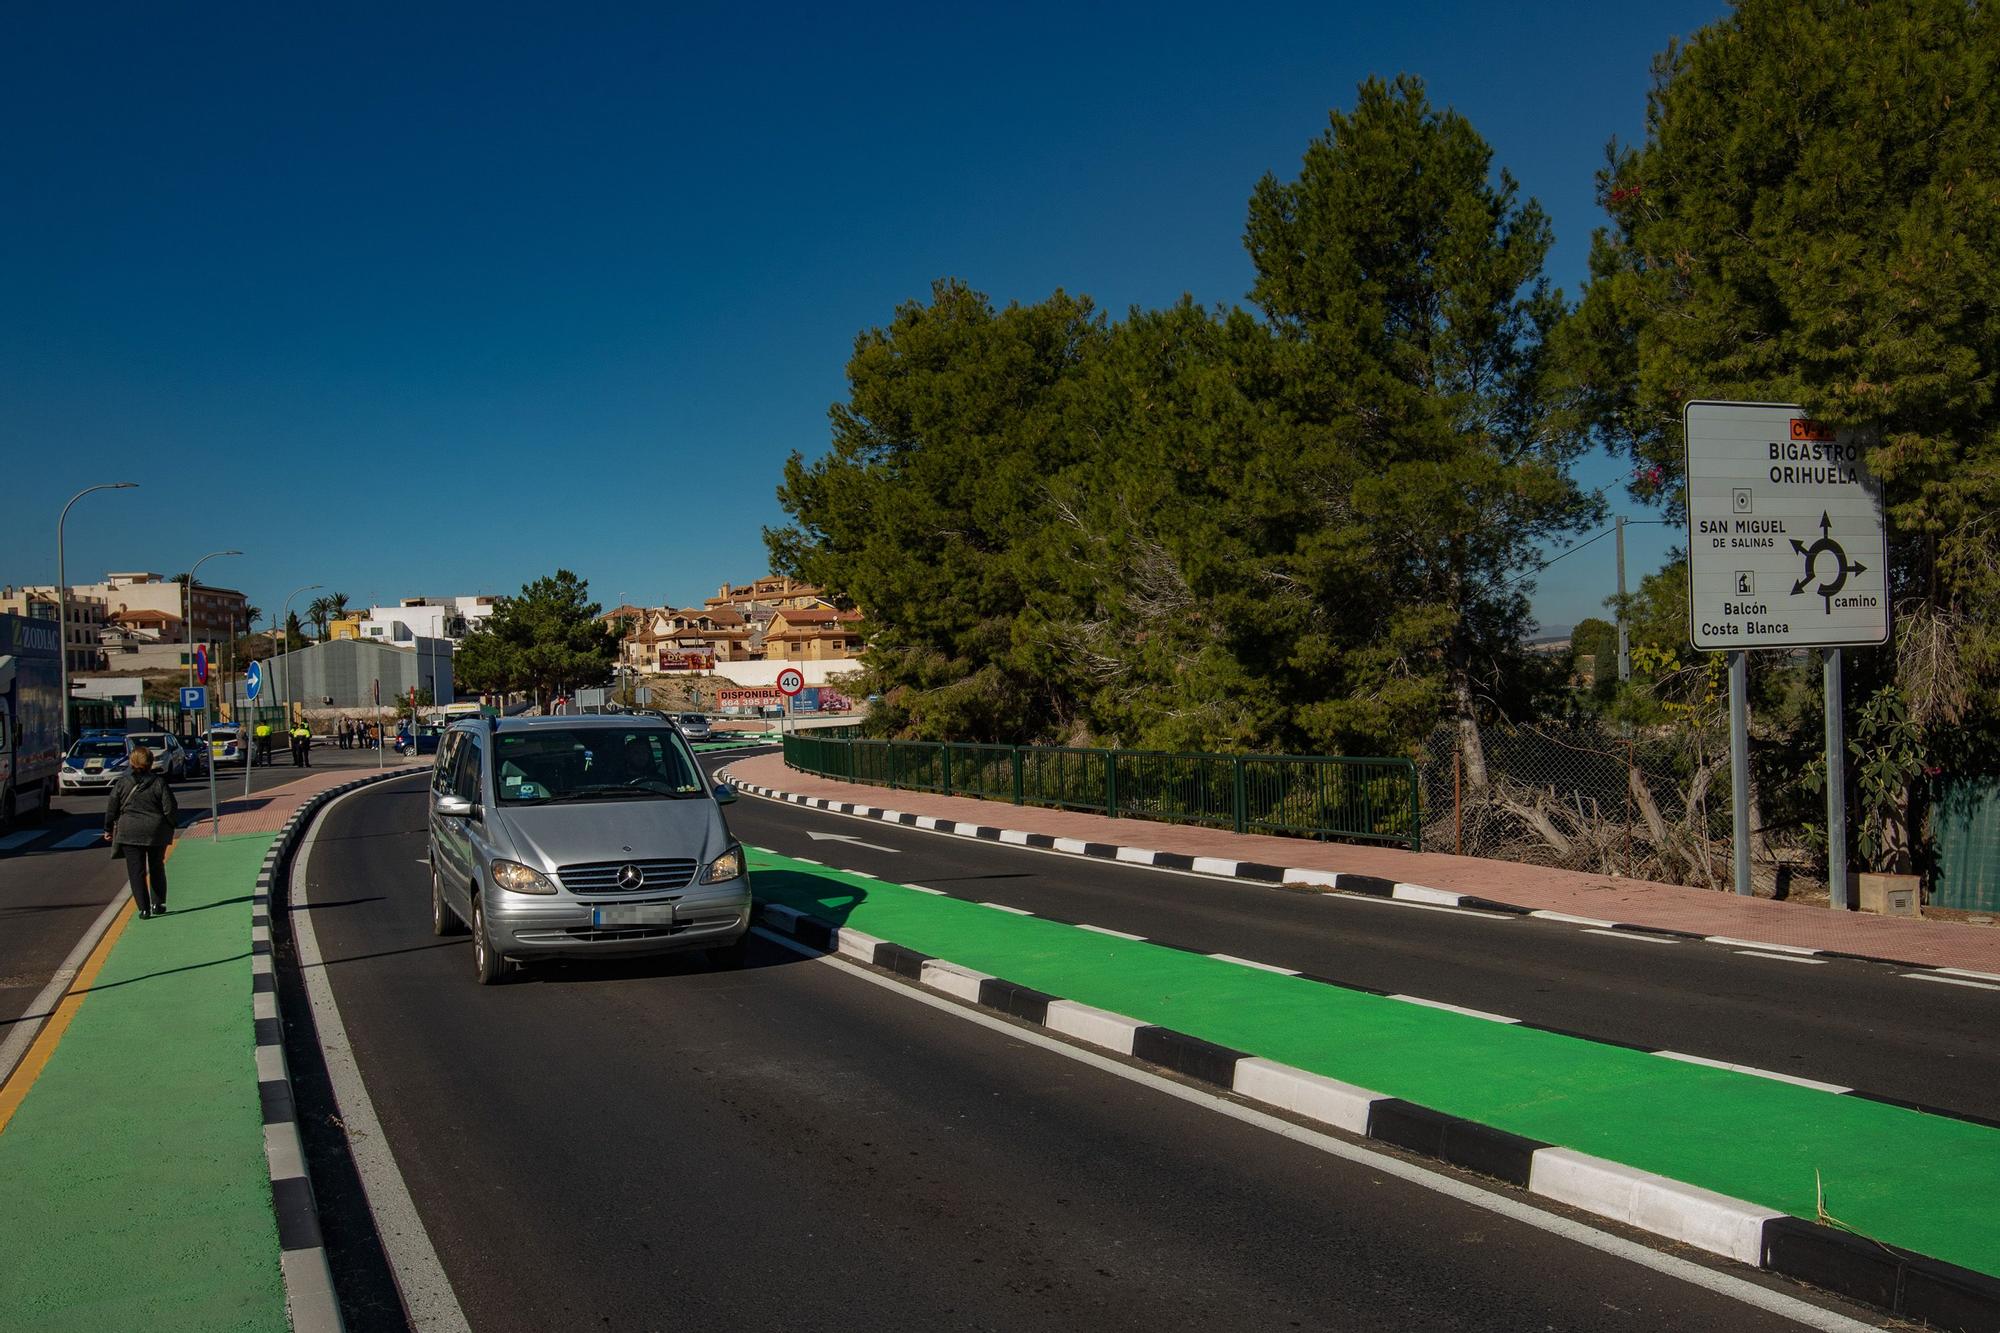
<point>139,824</point>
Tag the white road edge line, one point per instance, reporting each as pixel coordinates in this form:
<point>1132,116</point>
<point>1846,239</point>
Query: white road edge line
<point>1454,1008</point>
<point>1779,957</point>
<point>1114,934</point>
<point>427,1293</point>
<point>1968,972</point>
<point>1632,935</point>
<point>1002,907</point>
<point>1735,943</point>
<point>1416,907</point>
<point>1251,962</point>
<point>1951,981</point>
<point>1754,1072</point>
<point>1708,1279</point>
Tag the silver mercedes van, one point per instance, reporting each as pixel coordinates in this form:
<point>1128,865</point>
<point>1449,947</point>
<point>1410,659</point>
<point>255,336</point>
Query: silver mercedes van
<point>581,837</point>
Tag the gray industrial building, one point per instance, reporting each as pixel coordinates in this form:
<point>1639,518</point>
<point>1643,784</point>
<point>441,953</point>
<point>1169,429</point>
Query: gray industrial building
<point>346,671</point>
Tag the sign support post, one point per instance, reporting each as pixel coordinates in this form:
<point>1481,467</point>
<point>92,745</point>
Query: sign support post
<point>1739,768</point>
<point>246,739</point>
<point>1836,783</point>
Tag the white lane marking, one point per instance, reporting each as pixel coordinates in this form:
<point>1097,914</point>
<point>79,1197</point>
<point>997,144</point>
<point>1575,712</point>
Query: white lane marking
<point>1414,907</point>
<point>1951,981</point>
<point>1114,934</point>
<point>1752,1070</point>
<point>1002,907</point>
<point>1708,1279</point>
<point>850,840</point>
<point>921,889</point>
<point>1454,1008</point>
<point>1567,919</point>
<point>83,839</point>
<point>1261,967</point>
<point>1735,943</point>
<point>807,860</point>
<point>1632,935</point>
<point>21,839</point>
<point>1779,957</point>
<point>1968,972</point>
<point>427,1295</point>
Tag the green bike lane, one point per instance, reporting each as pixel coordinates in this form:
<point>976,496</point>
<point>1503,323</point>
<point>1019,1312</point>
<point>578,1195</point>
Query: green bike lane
<point>1926,1183</point>
<point>136,1189</point>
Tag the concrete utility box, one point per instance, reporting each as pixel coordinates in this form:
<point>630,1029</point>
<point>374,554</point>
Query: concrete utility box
<point>1890,895</point>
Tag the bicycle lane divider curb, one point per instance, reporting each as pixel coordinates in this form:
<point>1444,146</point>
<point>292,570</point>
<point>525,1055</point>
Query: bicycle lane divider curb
<point>310,1297</point>
<point>1295,877</point>
<point>1727,1162</point>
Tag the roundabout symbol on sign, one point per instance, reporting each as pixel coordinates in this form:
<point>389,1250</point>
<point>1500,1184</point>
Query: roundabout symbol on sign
<point>1843,569</point>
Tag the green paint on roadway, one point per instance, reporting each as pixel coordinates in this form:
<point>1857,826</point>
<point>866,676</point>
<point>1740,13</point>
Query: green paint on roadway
<point>136,1195</point>
<point>1928,1183</point>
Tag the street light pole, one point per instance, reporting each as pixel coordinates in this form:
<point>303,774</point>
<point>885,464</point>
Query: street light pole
<point>187,607</point>
<point>62,596</point>
<point>285,662</point>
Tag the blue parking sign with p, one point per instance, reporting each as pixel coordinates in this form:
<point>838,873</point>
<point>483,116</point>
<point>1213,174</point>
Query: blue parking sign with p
<point>194,698</point>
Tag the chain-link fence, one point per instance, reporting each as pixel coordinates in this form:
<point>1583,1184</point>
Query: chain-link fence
<point>1650,805</point>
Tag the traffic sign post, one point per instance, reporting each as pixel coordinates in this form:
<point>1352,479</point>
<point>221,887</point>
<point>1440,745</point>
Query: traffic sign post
<point>246,738</point>
<point>1787,548</point>
<point>201,664</point>
<point>790,681</point>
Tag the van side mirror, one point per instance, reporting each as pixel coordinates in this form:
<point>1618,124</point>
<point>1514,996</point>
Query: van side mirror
<point>725,794</point>
<point>451,806</point>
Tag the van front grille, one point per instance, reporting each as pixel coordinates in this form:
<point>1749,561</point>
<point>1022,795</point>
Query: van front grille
<point>604,876</point>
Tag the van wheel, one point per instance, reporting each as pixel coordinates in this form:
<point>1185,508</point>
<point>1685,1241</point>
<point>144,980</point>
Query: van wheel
<point>488,966</point>
<point>444,921</point>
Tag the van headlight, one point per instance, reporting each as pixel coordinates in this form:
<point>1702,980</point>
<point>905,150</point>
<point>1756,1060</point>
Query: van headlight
<point>517,878</point>
<point>729,865</point>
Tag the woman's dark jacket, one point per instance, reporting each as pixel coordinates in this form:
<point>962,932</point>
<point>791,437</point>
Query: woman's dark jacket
<point>141,812</point>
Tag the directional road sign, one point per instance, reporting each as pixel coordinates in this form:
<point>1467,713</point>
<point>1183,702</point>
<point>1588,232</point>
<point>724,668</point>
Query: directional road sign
<point>201,663</point>
<point>194,698</point>
<point>790,681</point>
<point>253,679</point>
<point>1787,547</point>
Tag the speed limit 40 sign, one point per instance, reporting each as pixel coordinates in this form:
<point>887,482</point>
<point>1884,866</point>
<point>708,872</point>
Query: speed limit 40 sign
<point>790,681</point>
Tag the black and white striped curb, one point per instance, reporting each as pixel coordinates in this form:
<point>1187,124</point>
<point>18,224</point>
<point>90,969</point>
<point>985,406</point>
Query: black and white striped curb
<point>1900,1281</point>
<point>309,1295</point>
<point>1307,878</point>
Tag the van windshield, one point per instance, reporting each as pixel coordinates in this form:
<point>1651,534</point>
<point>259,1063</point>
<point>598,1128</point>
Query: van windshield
<point>541,767</point>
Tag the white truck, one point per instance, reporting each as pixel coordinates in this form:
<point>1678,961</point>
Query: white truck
<point>30,717</point>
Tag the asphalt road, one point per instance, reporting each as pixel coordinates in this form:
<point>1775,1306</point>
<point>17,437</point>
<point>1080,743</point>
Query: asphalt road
<point>658,1144</point>
<point>1859,1025</point>
<point>57,876</point>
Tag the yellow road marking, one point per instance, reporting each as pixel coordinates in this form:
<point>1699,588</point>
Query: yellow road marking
<point>37,1058</point>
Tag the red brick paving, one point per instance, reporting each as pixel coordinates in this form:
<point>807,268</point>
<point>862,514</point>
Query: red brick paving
<point>266,811</point>
<point>1606,898</point>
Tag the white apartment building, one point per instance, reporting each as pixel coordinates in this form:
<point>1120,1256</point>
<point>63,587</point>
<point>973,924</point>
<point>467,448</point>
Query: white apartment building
<point>425,618</point>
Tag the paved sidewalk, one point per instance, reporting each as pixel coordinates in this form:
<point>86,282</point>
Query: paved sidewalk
<point>1536,888</point>
<point>136,1190</point>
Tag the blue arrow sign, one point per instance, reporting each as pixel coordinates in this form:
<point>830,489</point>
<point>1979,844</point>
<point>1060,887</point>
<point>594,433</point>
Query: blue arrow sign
<point>194,698</point>
<point>253,679</point>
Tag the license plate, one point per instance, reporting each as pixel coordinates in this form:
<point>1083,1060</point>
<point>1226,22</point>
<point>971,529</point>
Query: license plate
<point>633,914</point>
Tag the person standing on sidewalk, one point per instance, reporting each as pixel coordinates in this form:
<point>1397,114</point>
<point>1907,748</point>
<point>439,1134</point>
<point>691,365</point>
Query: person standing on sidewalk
<point>301,745</point>
<point>139,820</point>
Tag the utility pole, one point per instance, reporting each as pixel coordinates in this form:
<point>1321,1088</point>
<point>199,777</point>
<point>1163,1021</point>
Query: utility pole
<point>1624,635</point>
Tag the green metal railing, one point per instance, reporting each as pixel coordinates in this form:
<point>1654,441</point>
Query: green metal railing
<point>1301,796</point>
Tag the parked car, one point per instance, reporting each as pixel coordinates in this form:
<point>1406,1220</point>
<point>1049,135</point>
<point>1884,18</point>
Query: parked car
<point>168,757</point>
<point>195,753</point>
<point>94,762</point>
<point>227,746</point>
<point>694,726</point>
<point>581,837</point>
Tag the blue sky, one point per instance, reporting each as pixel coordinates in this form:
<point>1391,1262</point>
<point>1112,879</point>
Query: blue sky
<point>428,299</point>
